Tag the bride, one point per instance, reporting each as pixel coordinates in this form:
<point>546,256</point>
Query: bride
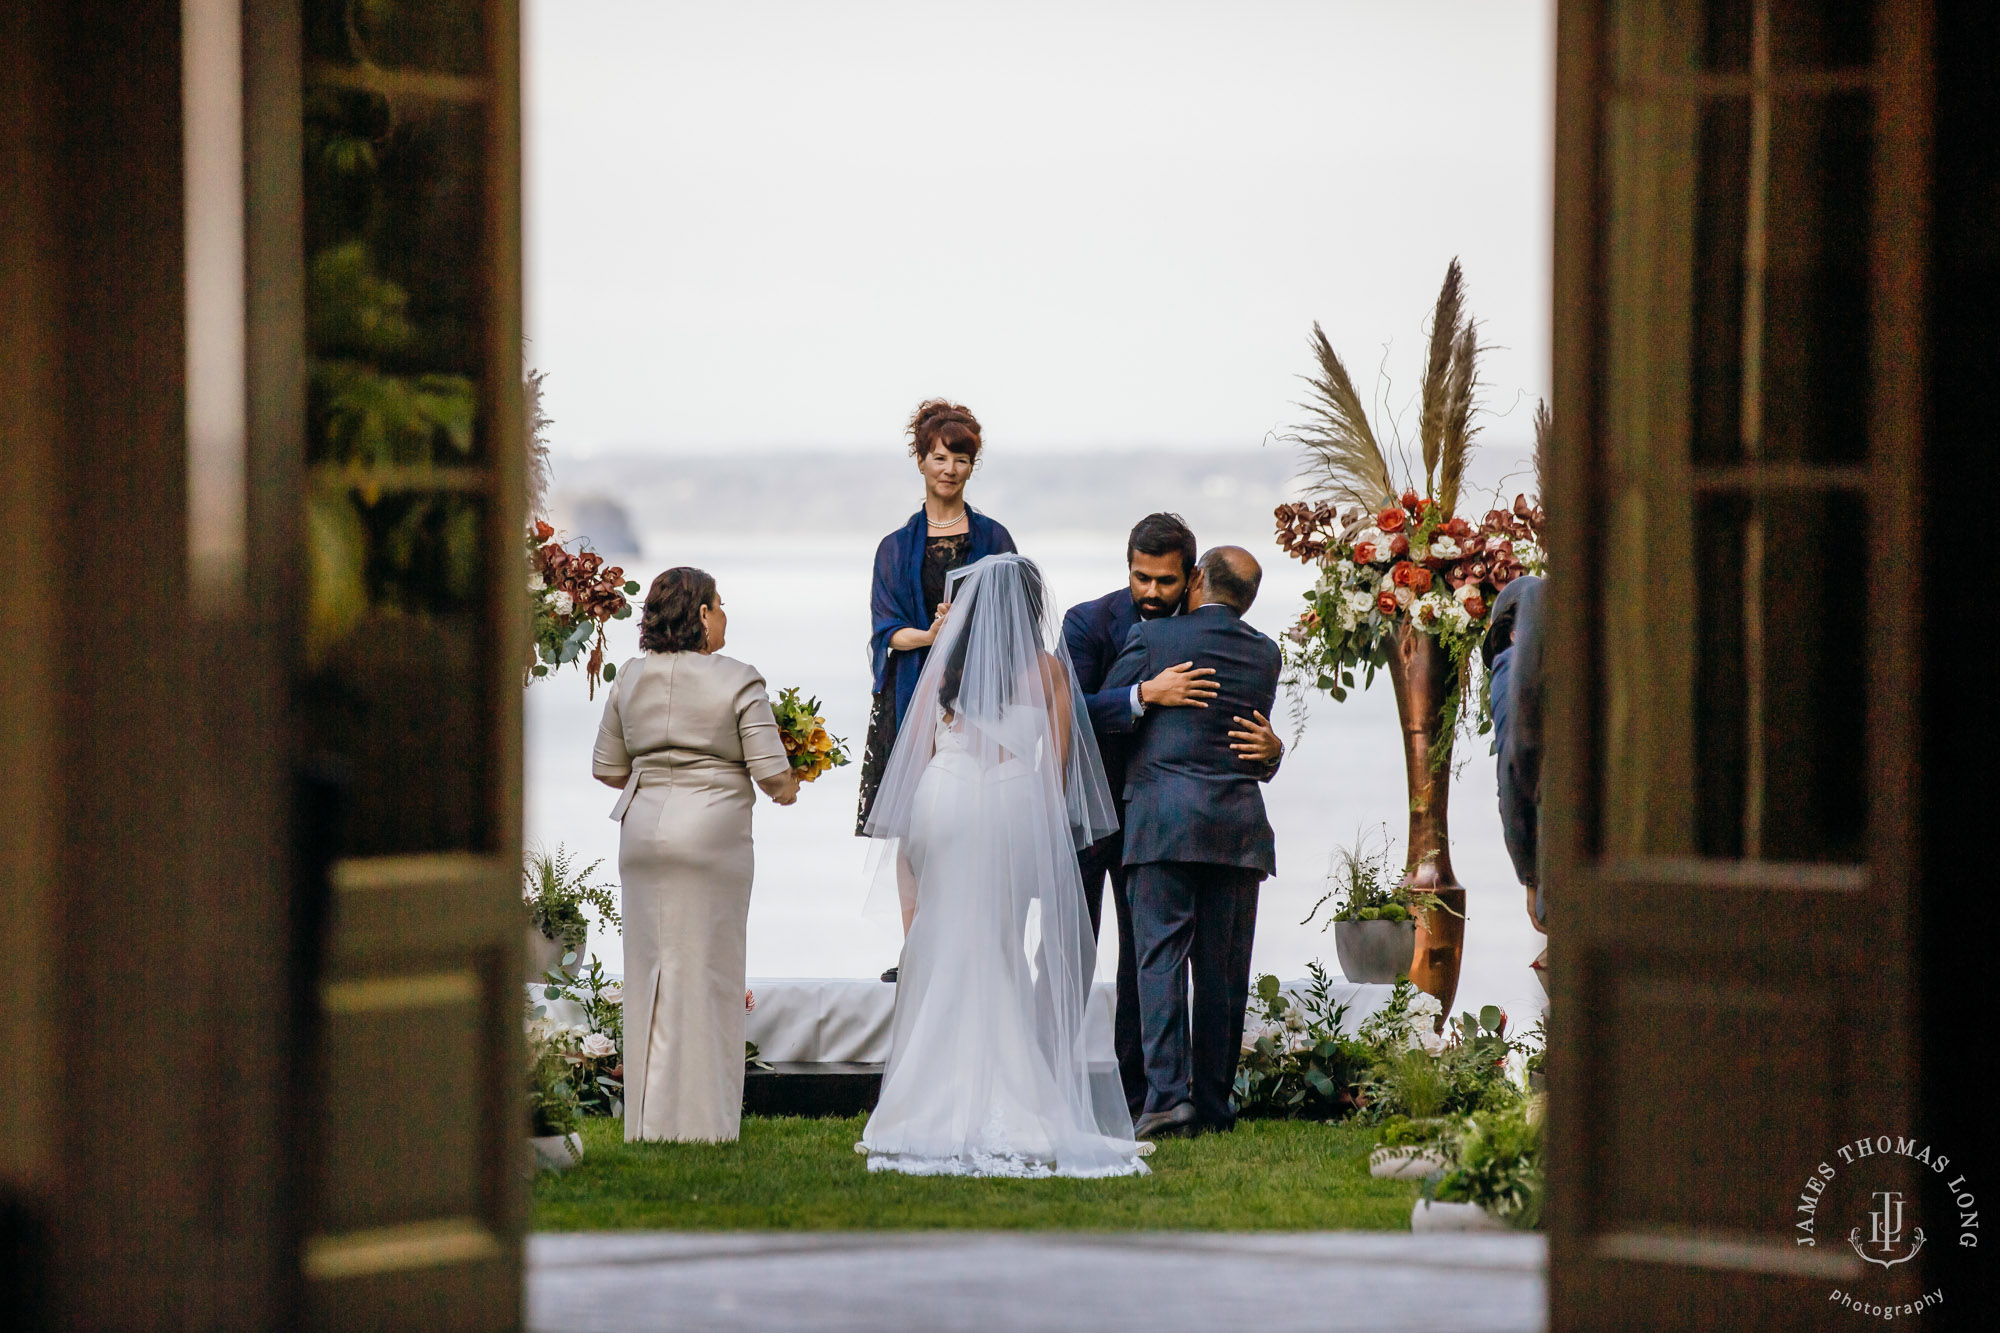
<point>994,784</point>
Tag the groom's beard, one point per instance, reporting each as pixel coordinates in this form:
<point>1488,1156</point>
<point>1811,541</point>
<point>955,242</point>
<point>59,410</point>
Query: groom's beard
<point>1152,608</point>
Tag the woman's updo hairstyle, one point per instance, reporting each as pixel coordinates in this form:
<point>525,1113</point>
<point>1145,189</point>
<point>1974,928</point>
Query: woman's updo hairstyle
<point>672,620</point>
<point>940,421</point>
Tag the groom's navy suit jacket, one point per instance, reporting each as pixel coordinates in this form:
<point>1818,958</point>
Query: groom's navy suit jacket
<point>1187,795</point>
<point>1095,633</point>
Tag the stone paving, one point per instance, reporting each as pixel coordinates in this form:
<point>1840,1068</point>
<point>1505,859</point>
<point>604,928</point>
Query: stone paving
<point>1028,1282</point>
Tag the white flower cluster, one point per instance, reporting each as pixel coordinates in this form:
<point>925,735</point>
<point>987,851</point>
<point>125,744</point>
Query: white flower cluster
<point>562,603</point>
<point>1348,588</point>
<point>1439,608</point>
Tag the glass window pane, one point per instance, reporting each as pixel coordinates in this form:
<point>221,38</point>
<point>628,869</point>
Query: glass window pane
<point>1816,339</point>
<point>435,36</point>
<point>1780,687</point>
<point>1715,350</point>
<point>1822,34</point>
<point>1664,38</point>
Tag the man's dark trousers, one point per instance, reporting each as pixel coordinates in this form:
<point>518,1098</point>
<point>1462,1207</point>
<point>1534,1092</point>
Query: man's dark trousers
<point>1204,916</point>
<point>1098,862</point>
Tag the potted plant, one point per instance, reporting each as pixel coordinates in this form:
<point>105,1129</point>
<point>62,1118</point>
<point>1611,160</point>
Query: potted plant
<point>1496,1179</point>
<point>555,1135</point>
<point>1374,916</point>
<point>555,893</point>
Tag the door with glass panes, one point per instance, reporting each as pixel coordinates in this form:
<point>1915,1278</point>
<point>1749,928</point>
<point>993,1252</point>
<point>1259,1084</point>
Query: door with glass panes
<point>408,682</point>
<point>1732,696</point>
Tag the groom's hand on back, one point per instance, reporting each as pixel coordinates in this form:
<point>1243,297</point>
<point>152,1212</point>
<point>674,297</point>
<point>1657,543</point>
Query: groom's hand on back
<point>1183,686</point>
<point>1256,742</point>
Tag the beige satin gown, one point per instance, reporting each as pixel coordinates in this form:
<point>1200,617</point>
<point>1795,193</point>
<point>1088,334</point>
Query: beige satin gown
<point>687,733</point>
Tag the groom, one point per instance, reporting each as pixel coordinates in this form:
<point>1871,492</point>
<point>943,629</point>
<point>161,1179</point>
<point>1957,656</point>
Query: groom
<point>1159,563</point>
<point>1197,844</point>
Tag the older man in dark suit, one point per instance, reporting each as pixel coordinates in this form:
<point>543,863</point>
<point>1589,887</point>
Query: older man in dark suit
<point>1159,562</point>
<point>1197,843</point>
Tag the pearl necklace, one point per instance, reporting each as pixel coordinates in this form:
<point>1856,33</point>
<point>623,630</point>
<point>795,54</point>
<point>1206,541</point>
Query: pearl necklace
<point>948,523</point>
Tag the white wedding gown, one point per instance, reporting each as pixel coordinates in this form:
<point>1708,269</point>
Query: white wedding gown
<point>990,1070</point>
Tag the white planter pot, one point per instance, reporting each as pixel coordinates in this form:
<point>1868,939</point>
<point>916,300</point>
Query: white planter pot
<point>545,955</point>
<point>1430,1215</point>
<point>557,1152</point>
<point>1414,1162</point>
<point>1375,951</point>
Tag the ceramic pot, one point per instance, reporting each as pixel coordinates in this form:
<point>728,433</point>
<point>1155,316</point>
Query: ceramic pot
<point>1430,1215</point>
<point>1423,677</point>
<point>1415,1162</point>
<point>1374,951</point>
<point>557,1152</point>
<point>545,955</point>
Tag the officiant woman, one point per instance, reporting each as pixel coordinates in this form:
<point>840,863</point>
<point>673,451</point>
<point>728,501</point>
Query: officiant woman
<point>686,733</point>
<point>907,601</point>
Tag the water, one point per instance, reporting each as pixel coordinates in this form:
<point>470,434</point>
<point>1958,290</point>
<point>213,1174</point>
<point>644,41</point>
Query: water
<point>797,593</point>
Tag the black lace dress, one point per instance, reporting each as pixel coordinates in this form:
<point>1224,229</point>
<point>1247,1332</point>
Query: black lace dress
<point>941,556</point>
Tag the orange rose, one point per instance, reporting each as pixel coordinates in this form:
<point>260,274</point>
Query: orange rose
<point>1385,602</point>
<point>1399,546</point>
<point>1475,606</point>
<point>1391,519</point>
<point>1405,575</point>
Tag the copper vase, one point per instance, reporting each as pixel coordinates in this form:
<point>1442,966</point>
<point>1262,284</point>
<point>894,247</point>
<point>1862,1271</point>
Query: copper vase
<point>1424,679</point>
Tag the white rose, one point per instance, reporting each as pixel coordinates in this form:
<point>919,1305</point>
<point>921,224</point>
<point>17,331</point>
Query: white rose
<point>1469,588</point>
<point>1445,547</point>
<point>597,1045</point>
<point>1418,554</point>
<point>536,583</point>
<point>613,994</point>
<point>1404,597</point>
<point>562,603</point>
<point>1360,603</point>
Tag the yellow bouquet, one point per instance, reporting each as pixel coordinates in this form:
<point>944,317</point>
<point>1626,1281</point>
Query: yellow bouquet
<point>813,749</point>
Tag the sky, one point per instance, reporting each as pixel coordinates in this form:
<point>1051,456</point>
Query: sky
<point>1102,225</point>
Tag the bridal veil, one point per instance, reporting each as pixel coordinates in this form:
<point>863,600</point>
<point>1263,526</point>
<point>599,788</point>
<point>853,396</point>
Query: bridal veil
<point>994,785</point>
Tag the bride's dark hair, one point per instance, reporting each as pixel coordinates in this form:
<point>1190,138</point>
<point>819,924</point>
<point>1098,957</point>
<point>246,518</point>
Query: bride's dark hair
<point>1036,594</point>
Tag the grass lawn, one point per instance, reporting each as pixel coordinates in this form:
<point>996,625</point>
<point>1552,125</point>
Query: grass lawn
<point>795,1174</point>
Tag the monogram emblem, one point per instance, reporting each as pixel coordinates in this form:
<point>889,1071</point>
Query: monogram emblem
<point>1885,1233</point>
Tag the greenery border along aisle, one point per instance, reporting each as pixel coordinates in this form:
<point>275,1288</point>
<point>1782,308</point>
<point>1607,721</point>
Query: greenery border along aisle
<point>797,1174</point>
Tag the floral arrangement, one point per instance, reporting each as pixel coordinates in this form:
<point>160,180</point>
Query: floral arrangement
<point>575,594</point>
<point>813,749</point>
<point>1407,561</point>
<point>1392,1069</point>
<point>1399,556</point>
<point>591,1053</point>
<point>555,893</point>
<point>1295,1062</point>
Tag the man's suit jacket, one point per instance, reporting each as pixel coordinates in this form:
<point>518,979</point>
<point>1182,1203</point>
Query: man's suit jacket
<point>1095,633</point>
<point>1187,796</point>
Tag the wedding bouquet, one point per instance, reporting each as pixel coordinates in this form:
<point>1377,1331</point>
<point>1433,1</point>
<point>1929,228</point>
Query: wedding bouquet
<point>812,748</point>
<point>575,594</point>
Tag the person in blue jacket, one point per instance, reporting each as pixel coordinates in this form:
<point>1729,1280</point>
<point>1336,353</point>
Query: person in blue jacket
<point>907,602</point>
<point>1159,560</point>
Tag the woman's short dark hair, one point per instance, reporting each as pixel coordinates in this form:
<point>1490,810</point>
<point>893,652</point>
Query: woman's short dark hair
<point>1163,534</point>
<point>672,620</point>
<point>940,421</point>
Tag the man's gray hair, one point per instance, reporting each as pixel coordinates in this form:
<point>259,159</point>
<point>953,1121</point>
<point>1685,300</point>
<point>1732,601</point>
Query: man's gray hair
<point>1227,580</point>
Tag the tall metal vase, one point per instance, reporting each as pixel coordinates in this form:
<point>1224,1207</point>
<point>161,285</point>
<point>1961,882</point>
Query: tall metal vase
<point>1424,679</point>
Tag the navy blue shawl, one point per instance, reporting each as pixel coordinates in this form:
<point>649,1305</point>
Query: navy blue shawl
<point>897,600</point>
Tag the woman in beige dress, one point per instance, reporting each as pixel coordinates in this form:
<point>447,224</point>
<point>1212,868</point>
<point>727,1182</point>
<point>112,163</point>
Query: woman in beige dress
<point>685,733</point>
